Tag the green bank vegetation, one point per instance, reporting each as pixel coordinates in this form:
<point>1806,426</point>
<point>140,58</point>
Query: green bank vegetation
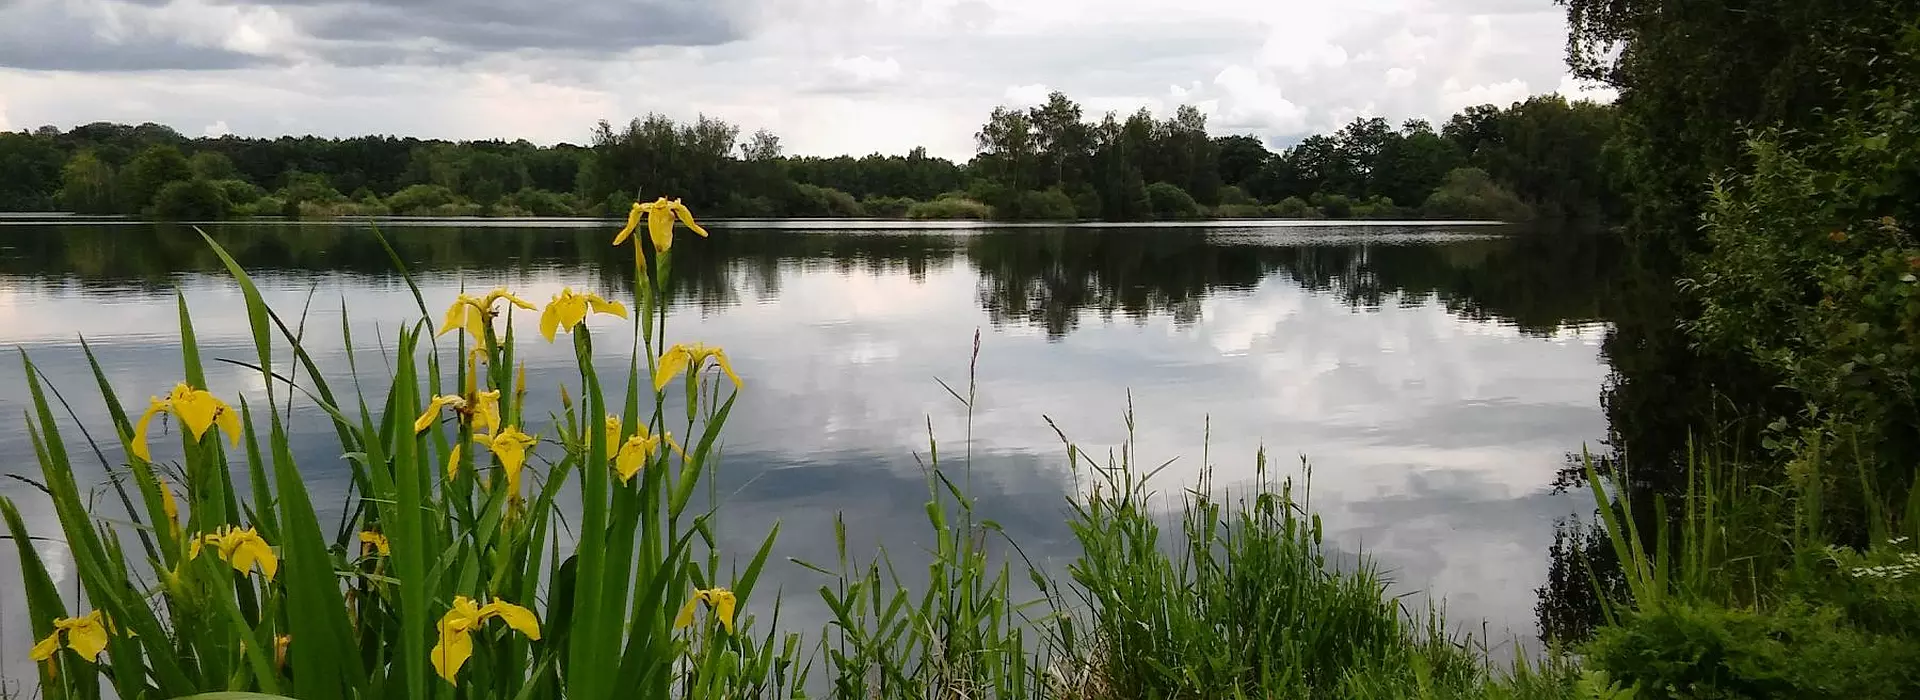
<point>1538,158</point>
<point>1759,540</point>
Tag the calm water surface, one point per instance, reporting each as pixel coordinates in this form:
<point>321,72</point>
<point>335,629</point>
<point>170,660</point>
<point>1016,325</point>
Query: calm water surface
<point>1436,376</point>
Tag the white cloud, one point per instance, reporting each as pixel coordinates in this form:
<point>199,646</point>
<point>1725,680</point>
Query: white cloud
<point>1026,95</point>
<point>864,72</point>
<point>4,124</point>
<point>1576,89</point>
<point>831,76</point>
<point>1454,97</point>
<point>216,129</point>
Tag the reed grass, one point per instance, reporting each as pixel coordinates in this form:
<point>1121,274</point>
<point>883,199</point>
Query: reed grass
<point>452,573</point>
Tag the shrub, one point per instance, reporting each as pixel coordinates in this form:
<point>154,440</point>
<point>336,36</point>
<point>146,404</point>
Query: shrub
<point>1046,205</point>
<point>813,200</point>
<point>534,202</point>
<point>888,207</point>
<point>1380,207</point>
<point>1469,193</point>
<point>419,200</point>
<point>1232,194</point>
<point>239,191</point>
<point>1293,208</point>
<point>190,200</point>
<point>267,205</point>
<point>1333,206</point>
<point>950,207</point>
<point>755,207</point>
<point>1794,651</point>
<point>1087,204</point>
<point>1166,200</point>
<point>1239,211</point>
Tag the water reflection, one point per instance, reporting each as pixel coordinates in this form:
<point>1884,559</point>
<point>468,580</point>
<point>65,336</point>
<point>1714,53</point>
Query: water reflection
<point>1435,376</point>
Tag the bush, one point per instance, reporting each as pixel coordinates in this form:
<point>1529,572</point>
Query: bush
<point>756,207</point>
<point>1381,207</point>
<point>1293,208</point>
<point>950,207</point>
<point>1333,206</point>
<point>1469,193</point>
<point>1166,200</point>
<point>536,202</point>
<point>1087,204</point>
<point>814,200</point>
<point>1796,651</point>
<point>190,200</point>
<point>888,207</point>
<point>240,191</point>
<point>267,205</point>
<point>1239,211</point>
<point>1232,194</point>
<point>1048,205</point>
<point>419,200</point>
<point>340,209</point>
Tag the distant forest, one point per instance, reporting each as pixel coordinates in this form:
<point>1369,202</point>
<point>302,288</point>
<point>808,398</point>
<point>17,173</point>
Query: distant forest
<point>1542,158</point>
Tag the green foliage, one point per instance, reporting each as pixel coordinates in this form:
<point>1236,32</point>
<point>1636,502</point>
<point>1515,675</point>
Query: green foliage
<point>143,176</point>
<point>239,192</point>
<point>190,200</point>
<point>1166,200</point>
<point>540,203</point>
<point>1794,650</point>
<point>1335,206</point>
<point>1241,603</point>
<point>1809,283</point>
<point>1232,194</point>
<point>1469,193</point>
<point>950,207</point>
<point>29,172</point>
<point>1293,208</point>
<point>811,200</point>
<point>420,200</point>
<point>887,207</point>
<point>87,185</point>
<point>211,165</point>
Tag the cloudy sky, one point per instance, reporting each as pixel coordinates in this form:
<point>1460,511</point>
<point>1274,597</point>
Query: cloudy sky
<point>830,76</point>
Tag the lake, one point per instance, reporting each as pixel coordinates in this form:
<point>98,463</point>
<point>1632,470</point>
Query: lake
<point>1436,376</point>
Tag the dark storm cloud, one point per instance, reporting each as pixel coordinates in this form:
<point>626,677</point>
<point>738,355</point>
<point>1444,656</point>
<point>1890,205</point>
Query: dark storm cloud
<point>73,36</point>
<point>487,26</point>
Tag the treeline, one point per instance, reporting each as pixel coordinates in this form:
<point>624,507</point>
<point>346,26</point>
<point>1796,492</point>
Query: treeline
<point>1542,157</point>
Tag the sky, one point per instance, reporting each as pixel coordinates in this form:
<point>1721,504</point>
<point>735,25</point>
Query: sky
<point>829,76</point>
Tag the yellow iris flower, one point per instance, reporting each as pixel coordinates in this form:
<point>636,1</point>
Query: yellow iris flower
<point>511,447</point>
<point>473,313</point>
<point>456,631</point>
<point>569,309</point>
<point>242,549</point>
<point>660,214</point>
<point>376,542</point>
<point>198,409</point>
<point>690,359</point>
<point>484,406</point>
<point>86,636</point>
<point>635,452</point>
<point>613,430</point>
<point>719,599</point>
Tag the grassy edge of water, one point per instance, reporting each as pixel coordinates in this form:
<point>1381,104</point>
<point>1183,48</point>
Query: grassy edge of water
<point>1239,602</point>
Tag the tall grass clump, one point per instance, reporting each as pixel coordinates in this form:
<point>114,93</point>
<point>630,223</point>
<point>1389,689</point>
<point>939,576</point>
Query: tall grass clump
<point>449,573</point>
<point>1240,599</point>
<point>1738,591</point>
